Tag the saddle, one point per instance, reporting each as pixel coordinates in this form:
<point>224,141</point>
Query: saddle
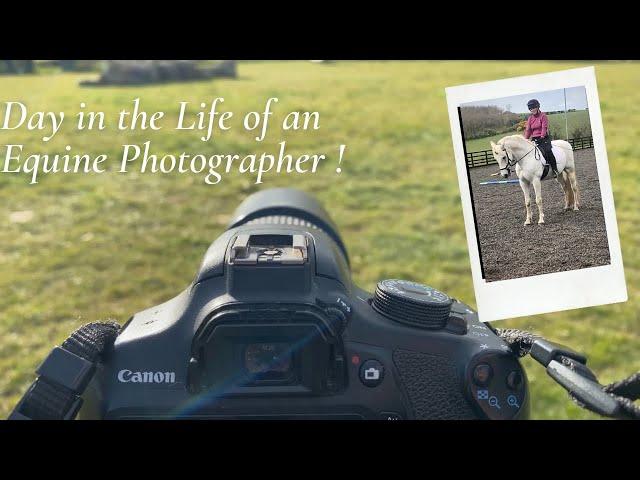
<point>560,161</point>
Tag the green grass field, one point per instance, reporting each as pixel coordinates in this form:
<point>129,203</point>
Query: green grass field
<point>107,246</point>
<point>556,124</point>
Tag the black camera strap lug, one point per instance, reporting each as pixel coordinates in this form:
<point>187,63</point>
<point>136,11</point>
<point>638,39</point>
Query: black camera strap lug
<point>569,369</point>
<point>545,352</point>
<point>65,374</point>
<point>587,392</point>
<point>66,369</point>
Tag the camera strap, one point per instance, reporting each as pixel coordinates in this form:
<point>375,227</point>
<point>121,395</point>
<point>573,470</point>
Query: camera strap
<point>568,368</point>
<point>65,374</point>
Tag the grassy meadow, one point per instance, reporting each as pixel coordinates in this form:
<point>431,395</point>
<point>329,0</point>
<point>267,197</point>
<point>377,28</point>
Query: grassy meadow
<point>77,248</point>
<point>575,120</point>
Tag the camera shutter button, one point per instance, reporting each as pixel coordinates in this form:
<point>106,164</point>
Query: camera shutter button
<point>371,373</point>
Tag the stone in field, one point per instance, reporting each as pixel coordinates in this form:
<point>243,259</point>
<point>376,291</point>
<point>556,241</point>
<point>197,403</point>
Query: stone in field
<point>22,216</point>
<point>140,72</point>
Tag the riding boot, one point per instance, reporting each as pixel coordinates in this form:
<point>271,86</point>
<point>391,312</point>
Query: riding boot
<point>551,158</point>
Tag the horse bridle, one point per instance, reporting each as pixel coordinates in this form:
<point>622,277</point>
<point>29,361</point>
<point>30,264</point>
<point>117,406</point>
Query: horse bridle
<point>510,162</point>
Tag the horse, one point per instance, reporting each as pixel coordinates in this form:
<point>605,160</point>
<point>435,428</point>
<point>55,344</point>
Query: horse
<point>515,150</point>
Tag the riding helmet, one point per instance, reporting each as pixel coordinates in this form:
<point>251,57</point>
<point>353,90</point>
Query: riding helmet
<point>533,103</point>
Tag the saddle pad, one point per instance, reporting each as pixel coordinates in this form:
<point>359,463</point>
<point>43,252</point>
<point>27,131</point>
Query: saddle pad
<point>559,153</point>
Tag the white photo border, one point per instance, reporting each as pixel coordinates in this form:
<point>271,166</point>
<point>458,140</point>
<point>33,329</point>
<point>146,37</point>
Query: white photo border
<point>498,300</point>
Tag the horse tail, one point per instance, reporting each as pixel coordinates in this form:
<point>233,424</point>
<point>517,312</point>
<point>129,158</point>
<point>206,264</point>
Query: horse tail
<point>572,180</point>
<point>567,187</point>
<point>573,177</point>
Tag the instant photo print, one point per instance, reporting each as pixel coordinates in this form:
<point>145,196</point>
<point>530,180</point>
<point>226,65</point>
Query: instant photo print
<point>536,194</point>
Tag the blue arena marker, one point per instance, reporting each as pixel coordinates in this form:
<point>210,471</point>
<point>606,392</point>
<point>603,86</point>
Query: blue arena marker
<point>496,182</point>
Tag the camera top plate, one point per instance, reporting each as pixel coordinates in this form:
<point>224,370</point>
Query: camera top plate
<point>269,249</point>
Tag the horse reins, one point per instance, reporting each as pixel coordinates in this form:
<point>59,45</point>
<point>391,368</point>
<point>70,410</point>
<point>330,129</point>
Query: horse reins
<point>510,162</point>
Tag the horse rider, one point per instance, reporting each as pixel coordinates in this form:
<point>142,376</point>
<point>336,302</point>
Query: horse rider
<point>538,130</point>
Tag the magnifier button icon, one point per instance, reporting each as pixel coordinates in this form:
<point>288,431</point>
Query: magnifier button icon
<point>512,400</point>
<point>493,401</point>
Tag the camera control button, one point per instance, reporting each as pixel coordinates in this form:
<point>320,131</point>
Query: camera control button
<point>482,374</point>
<point>337,318</point>
<point>514,380</point>
<point>413,304</point>
<point>371,373</point>
<point>457,324</point>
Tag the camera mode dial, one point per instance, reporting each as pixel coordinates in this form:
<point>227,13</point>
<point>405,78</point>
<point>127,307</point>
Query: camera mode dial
<point>412,304</point>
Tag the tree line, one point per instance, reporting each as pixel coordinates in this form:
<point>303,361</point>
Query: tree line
<point>485,121</point>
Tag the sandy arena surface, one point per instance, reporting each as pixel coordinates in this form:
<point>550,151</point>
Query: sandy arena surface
<point>566,241</point>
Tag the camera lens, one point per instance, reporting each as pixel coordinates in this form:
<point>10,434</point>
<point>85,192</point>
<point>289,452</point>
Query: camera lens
<point>268,360</point>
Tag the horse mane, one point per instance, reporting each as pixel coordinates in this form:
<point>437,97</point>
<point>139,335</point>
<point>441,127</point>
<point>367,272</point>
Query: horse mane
<point>511,138</point>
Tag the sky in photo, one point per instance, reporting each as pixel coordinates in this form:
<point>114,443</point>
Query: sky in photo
<point>550,101</point>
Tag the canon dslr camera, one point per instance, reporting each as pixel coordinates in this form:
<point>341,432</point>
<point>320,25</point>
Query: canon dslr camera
<point>273,327</point>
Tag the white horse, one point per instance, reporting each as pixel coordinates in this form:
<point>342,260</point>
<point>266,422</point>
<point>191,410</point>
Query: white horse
<point>515,150</point>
